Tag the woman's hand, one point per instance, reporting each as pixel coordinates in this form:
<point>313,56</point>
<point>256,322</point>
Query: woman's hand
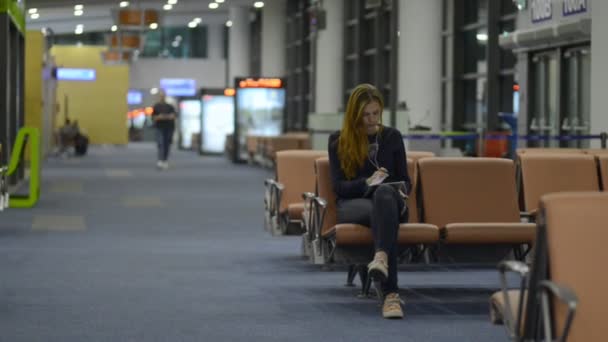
<point>378,177</point>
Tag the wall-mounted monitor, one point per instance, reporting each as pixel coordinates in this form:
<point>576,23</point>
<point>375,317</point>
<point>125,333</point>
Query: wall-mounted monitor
<point>72,74</point>
<point>178,86</point>
<point>260,110</point>
<point>134,97</point>
<point>217,120</point>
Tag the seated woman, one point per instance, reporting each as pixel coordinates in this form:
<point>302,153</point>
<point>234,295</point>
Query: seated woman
<point>365,155</point>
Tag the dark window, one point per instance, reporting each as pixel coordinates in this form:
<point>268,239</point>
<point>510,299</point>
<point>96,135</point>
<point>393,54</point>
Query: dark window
<point>87,38</point>
<point>198,42</point>
<point>474,101</point>
<point>475,11</point>
<point>176,42</point>
<point>475,42</point>
<point>507,58</point>
<point>507,7</point>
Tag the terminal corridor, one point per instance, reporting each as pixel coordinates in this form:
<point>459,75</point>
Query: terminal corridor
<point>118,251</point>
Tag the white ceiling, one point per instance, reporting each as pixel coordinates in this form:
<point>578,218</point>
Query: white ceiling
<point>58,15</point>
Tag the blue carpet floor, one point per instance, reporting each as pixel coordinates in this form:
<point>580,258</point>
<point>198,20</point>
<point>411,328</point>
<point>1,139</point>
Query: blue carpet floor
<point>119,251</point>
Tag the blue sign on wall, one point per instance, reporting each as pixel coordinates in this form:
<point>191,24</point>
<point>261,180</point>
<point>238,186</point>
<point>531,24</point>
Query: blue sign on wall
<point>178,86</point>
<point>134,97</point>
<point>71,74</point>
<point>541,10</point>
<point>574,7</point>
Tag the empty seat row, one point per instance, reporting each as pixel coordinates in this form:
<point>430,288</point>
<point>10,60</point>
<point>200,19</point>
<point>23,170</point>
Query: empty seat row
<point>263,149</point>
<point>556,172</point>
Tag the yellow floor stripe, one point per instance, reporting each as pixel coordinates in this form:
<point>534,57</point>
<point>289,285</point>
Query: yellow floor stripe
<point>58,223</point>
<point>71,187</point>
<point>118,173</point>
<point>142,202</point>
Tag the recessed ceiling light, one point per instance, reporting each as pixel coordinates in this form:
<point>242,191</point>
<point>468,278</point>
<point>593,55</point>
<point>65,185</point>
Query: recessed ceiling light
<point>229,23</point>
<point>172,2</point>
<point>154,91</point>
<point>192,24</point>
<point>32,10</point>
<point>78,8</point>
<point>258,4</point>
<point>78,13</point>
<point>154,26</point>
<point>219,1</point>
<point>124,3</point>
<point>114,28</point>
<point>79,26</point>
<point>197,20</point>
<point>167,7</point>
<point>35,16</point>
<point>213,5</point>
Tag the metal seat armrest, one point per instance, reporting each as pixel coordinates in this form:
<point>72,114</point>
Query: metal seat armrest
<point>511,321</point>
<point>274,190</point>
<point>307,196</point>
<point>320,208</point>
<point>307,215</point>
<point>514,266</point>
<point>565,295</point>
<point>529,216</point>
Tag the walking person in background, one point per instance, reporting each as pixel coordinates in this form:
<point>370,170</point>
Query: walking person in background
<point>164,116</point>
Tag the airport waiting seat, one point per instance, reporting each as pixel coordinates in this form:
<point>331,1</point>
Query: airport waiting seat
<point>412,158</point>
<point>596,151</point>
<point>277,144</point>
<point>252,141</point>
<point>352,244</point>
<point>412,169</point>
<point>603,169</point>
<point>601,157</point>
<point>541,174</point>
<point>548,150</point>
<point>473,201</point>
<point>295,175</point>
<point>303,139</point>
<point>566,291</point>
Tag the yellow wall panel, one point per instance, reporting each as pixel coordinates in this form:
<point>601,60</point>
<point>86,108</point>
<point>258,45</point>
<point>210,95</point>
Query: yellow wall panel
<point>99,106</point>
<point>34,50</point>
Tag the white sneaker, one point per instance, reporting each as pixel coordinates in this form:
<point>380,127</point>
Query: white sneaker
<point>392,306</point>
<point>378,268</point>
<point>165,165</point>
<point>159,164</point>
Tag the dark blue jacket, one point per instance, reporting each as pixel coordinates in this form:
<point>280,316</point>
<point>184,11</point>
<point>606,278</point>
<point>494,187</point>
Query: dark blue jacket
<point>391,156</point>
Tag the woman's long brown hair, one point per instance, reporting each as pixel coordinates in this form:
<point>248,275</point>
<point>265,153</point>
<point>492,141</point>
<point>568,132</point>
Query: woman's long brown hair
<point>353,144</point>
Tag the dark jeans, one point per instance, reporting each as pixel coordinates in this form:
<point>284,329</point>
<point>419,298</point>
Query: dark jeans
<point>383,214</point>
<point>163,140</point>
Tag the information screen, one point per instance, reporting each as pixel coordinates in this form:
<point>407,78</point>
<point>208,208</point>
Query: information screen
<point>189,121</point>
<point>178,86</point>
<point>134,97</point>
<point>71,74</point>
<point>260,107</point>
<point>217,122</point>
